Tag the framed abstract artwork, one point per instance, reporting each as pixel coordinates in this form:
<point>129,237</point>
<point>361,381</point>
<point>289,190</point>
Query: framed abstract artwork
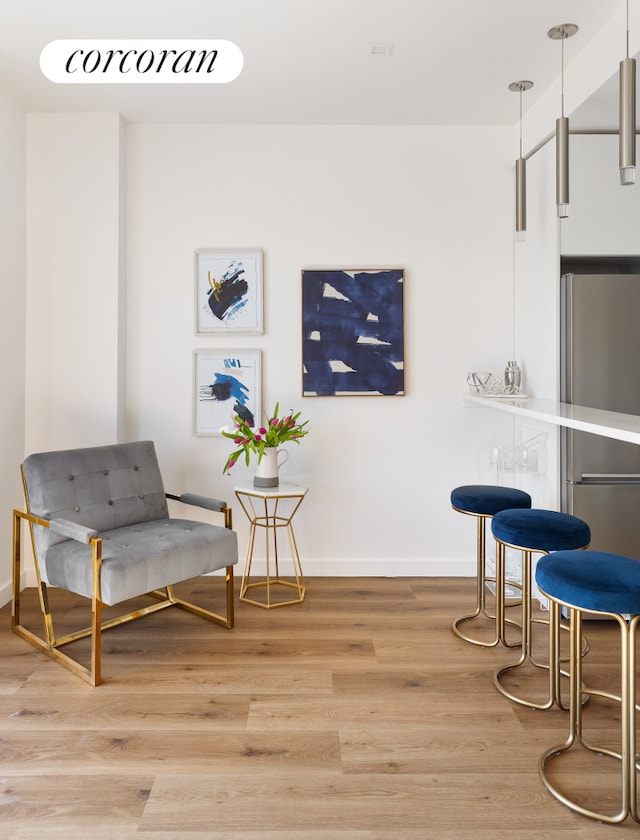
<point>353,332</point>
<point>228,292</point>
<point>225,383</point>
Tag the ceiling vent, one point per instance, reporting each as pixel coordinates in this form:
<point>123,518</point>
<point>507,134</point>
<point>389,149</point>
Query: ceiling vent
<point>382,49</point>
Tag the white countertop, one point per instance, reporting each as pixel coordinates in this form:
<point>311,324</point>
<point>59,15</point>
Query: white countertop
<point>610,424</point>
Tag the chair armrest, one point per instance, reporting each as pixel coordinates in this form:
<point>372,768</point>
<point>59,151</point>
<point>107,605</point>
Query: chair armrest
<point>72,530</point>
<point>205,502</point>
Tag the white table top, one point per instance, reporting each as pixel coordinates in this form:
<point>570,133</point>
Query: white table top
<point>282,490</point>
<point>610,424</point>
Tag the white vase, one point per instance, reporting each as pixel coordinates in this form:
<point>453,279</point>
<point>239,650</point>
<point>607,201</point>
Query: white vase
<point>266,474</point>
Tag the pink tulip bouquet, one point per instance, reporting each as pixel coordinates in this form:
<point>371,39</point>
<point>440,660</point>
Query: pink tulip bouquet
<point>250,439</point>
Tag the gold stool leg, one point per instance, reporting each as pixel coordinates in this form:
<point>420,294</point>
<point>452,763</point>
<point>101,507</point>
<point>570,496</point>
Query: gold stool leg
<point>526,650</point>
<point>628,710</point>
<point>481,610</point>
<point>632,706</point>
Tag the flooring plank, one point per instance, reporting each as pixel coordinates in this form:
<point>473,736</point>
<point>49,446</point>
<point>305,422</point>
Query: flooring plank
<point>195,678</point>
<point>72,801</point>
<point>337,802</point>
<point>120,752</point>
<point>97,711</point>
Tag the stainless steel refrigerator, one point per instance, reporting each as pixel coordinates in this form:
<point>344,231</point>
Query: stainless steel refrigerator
<point>600,368</point>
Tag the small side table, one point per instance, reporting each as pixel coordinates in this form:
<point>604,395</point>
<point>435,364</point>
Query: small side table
<point>271,508</point>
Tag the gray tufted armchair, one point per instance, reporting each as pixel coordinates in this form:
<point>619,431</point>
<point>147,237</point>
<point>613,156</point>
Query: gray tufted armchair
<point>100,528</point>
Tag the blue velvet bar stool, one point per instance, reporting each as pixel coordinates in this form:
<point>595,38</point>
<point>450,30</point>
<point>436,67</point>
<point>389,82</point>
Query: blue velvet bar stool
<point>607,584</point>
<point>483,501</point>
<point>536,532</point>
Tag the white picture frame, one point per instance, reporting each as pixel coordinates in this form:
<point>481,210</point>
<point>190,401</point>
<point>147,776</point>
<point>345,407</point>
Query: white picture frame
<point>225,383</point>
<point>228,291</point>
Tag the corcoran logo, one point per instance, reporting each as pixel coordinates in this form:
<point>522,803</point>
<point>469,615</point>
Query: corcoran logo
<point>141,62</point>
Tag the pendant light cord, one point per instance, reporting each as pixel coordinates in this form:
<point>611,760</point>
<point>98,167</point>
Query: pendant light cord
<point>562,76</point>
<point>520,120</point>
<point>514,311</point>
<point>627,28</point>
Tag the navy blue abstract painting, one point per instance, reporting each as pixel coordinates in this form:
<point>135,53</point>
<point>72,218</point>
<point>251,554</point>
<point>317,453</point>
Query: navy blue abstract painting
<point>353,332</point>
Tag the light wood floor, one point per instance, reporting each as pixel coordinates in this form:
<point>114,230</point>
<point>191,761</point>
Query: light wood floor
<point>356,715</point>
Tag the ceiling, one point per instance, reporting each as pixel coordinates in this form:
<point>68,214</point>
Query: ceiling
<point>310,61</point>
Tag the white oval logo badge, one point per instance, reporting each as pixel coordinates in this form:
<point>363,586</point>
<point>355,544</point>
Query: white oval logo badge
<point>152,61</point>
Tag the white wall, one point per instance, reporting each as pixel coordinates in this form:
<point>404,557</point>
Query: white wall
<point>75,311</point>
<point>537,305</point>
<point>604,217</point>
<point>380,469</point>
<point>434,201</point>
<point>537,263</point>
<point>12,323</point>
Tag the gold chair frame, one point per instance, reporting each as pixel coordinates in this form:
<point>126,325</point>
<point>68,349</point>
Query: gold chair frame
<point>51,644</point>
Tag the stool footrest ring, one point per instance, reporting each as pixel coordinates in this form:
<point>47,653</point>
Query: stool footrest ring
<point>496,640</point>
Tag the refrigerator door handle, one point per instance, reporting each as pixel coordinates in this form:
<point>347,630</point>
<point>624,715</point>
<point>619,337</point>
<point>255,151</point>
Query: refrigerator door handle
<point>607,478</point>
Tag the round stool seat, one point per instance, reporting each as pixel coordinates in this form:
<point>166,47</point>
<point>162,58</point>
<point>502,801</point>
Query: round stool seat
<point>541,530</point>
<point>488,499</point>
<point>594,581</point>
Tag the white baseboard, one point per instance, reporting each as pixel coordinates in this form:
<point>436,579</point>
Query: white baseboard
<point>368,568</point>
<point>387,568</point>
<point>5,594</point>
<point>5,590</point>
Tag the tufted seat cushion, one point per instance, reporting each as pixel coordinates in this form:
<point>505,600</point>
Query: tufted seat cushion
<point>488,499</point>
<point>540,530</point>
<point>139,558</point>
<point>595,581</point>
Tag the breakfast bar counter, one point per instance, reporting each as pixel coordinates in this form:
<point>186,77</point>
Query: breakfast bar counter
<point>611,424</point>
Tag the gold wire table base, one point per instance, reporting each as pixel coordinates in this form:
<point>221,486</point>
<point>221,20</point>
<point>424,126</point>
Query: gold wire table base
<point>267,584</point>
<point>264,509</point>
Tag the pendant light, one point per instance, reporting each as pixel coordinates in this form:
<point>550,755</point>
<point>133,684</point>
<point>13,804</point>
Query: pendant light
<point>627,133</point>
<point>561,33</point>
<point>521,171</point>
